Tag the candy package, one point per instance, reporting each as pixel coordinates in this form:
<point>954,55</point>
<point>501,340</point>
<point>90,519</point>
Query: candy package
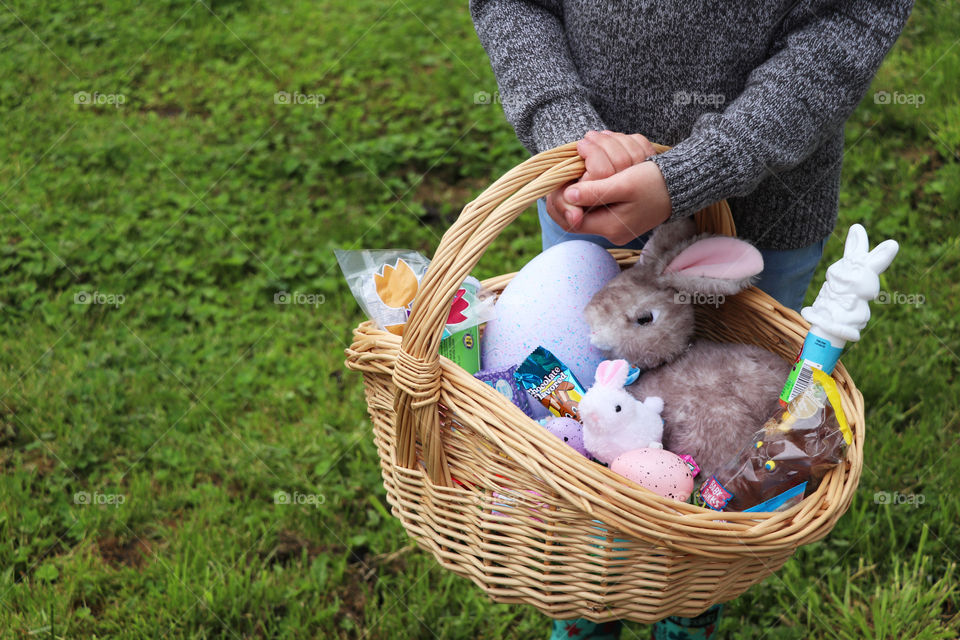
<point>463,347</point>
<point>551,383</point>
<point>793,451</point>
<point>504,381</point>
<point>385,283</point>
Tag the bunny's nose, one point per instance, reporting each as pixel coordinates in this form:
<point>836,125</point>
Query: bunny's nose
<point>586,413</point>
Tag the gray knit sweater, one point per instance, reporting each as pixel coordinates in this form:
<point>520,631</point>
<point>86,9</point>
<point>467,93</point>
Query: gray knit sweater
<point>753,93</point>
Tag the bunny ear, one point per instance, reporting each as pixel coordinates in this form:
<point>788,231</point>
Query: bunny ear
<point>882,255</point>
<point>668,236</point>
<point>612,373</point>
<point>856,244</point>
<point>716,264</point>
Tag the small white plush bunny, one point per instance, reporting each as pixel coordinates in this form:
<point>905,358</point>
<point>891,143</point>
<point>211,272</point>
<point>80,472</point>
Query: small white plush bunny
<point>613,420</point>
<point>841,308</point>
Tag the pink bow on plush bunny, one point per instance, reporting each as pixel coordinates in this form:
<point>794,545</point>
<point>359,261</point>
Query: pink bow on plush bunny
<point>613,420</point>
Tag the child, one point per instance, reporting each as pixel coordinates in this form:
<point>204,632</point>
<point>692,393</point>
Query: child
<point>751,95</point>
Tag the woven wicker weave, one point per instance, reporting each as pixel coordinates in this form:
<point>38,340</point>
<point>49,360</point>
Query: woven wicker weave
<point>496,498</point>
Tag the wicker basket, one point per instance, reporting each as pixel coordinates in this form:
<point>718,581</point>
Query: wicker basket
<point>496,498</point>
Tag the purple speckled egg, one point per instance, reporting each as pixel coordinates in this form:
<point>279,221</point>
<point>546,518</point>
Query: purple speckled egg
<point>570,431</point>
<point>543,306</point>
<point>663,472</point>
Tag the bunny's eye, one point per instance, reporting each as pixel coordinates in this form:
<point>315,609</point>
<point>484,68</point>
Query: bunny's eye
<point>645,318</point>
<point>617,408</point>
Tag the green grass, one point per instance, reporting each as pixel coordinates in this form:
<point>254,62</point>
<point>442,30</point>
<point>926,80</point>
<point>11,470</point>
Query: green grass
<point>195,398</point>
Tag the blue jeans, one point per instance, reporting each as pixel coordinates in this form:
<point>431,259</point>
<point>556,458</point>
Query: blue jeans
<point>785,277</point>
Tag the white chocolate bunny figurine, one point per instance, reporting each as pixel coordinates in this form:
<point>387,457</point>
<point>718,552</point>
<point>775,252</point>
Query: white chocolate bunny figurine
<point>841,310</point>
<point>715,395</point>
<point>613,420</point>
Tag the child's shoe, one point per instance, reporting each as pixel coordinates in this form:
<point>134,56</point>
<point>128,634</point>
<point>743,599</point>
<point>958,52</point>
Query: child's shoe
<point>582,629</point>
<point>703,627</point>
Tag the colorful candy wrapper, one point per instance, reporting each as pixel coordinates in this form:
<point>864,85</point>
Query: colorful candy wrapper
<point>795,448</point>
<point>385,283</point>
<point>551,383</point>
<point>505,383</point>
<point>463,347</point>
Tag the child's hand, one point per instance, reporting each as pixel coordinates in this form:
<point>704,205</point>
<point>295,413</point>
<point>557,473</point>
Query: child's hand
<point>605,154</point>
<point>621,207</point>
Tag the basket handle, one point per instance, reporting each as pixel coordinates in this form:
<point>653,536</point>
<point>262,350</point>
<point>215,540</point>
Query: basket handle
<point>417,371</point>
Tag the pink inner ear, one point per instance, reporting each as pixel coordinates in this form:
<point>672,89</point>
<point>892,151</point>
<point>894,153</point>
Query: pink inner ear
<point>603,372</point>
<point>608,370</point>
<point>718,257</point>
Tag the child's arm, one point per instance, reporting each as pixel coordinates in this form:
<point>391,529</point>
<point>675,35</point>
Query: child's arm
<point>814,78</point>
<point>541,91</point>
<point>810,84</point>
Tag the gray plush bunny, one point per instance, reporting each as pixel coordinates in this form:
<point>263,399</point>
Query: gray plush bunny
<point>716,396</point>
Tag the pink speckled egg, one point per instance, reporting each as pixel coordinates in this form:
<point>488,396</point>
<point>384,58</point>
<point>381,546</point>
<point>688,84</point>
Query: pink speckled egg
<point>663,472</point>
<point>543,306</point>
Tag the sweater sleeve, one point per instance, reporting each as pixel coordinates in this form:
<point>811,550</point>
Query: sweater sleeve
<point>541,91</point>
<point>817,73</point>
